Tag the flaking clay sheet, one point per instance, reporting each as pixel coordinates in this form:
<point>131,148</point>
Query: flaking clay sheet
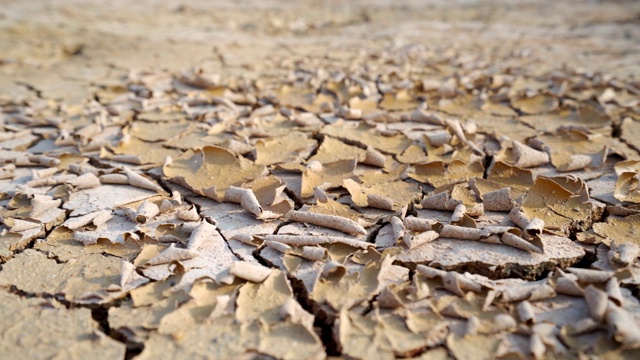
<point>261,180</point>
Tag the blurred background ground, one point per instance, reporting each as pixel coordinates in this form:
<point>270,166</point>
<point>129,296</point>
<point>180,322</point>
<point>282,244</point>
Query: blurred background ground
<point>64,49</point>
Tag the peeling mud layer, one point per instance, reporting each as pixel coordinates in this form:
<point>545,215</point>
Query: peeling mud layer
<point>321,179</point>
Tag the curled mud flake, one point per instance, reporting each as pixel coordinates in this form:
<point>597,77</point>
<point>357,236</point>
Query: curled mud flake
<point>590,276</point>
<point>313,253</point>
<point>569,286</point>
<point>146,212</point>
<point>526,156</point>
<point>51,181</point>
<point>171,254</point>
<point>438,138</point>
<point>84,181</point>
<point>114,179</point>
<point>622,325</point>
<point>597,301</point>
<point>330,221</point>
<point>96,218</point>
<point>41,204</point>
<point>246,239</point>
<point>530,292</point>
<point>203,232</point>
<point>8,171</point>
<point>498,200</point>
<point>380,202</point>
<point>418,224</point>
<point>330,175</point>
<point>532,228</point>
<point>136,180</point>
<point>420,239</point>
<point>190,214</point>
<point>310,240</point>
<point>44,160</point>
<point>440,201</point>
<point>374,157</point>
<point>397,228</point>
<point>250,271</point>
<point>458,213</point>
<point>516,241</point>
<point>245,197</point>
<point>458,284</point>
<point>525,312</point>
<point>459,232</point>
<point>623,255</point>
<point>278,246</point>
<point>537,346</point>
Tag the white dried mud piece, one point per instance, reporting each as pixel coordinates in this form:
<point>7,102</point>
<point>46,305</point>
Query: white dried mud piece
<point>532,228</point>
<point>418,224</point>
<point>43,173</point>
<point>172,253</point>
<point>438,138</point>
<point>329,221</point>
<point>374,158</point>
<point>114,179</point>
<point>597,301</point>
<point>200,235</point>
<point>190,214</point>
<point>397,228</point>
<point>311,240</point>
<point>51,181</point>
<point>146,212</point>
<point>129,278</point>
<point>495,260</point>
<point>529,292</point>
<point>320,195</point>
<point>41,204</point>
<point>96,218</point>
<point>458,214</point>
<point>139,181</point>
<point>379,202</point>
<point>623,326</point>
<point>451,280</point>
<point>246,239</point>
<point>421,116</point>
<point>525,312</point>
<point>278,246</point>
<point>526,157</point>
<point>84,181</point>
<point>513,240</point>
<point>623,255</point>
<point>456,129</point>
<point>313,253</point>
<point>349,113</point>
<point>250,271</point>
<point>614,292</point>
<point>569,286</point>
<point>414,241</point>
<point>498,200</point>
<point>440,201</point>
<point>537,346</point>
<point>44,160</point>
<point>460,232</point>
<point>8,171</point>
<point>22,225</point>
<point>246,198</point>
<point>590,276</point>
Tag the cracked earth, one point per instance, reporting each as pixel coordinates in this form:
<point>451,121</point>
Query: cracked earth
<point>311,180</point>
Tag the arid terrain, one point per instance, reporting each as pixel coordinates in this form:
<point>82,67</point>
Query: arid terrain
<point>320,179</point>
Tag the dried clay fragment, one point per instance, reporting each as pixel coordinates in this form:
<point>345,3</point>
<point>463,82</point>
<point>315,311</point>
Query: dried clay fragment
<point>498,200</point>
<point>418,224</point>
<point>172,253</point>
<point>623,326</point>
<point>379,202</point>
<point>329,221</point>
<point>526,313</point>
<point>245,197</point>
<point>590,276</point>
<point>532,228</point>
<point>440,201</point>
<point>250,271</point>
<point>146,211</point>
<point>526,157</point>
<point>310,240</point>
<point>420,239</point>
<point>623,255</point>
<point>84,181</point>
<point>397,228</point>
